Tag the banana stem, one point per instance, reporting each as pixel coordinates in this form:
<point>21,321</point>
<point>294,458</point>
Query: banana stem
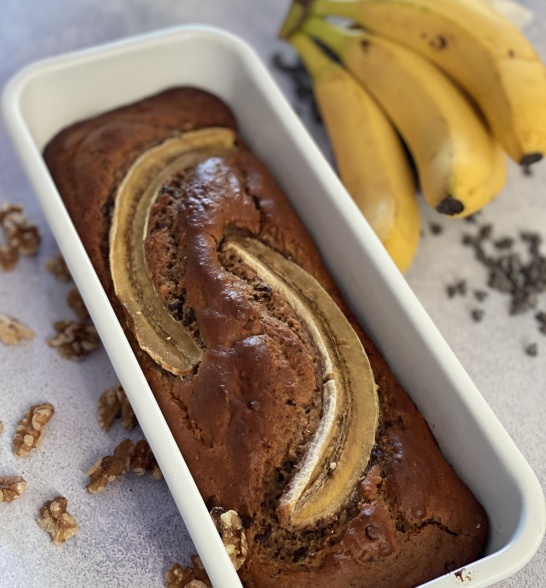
<point>344,8</point>
<point>333,37</point>
<point>296,15</point>
<point>314,59</point>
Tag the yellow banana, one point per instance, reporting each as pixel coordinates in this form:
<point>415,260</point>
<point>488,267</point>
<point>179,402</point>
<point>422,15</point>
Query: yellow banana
<point>476,46</point>
<point>369,155</point>
<point>453,149</point>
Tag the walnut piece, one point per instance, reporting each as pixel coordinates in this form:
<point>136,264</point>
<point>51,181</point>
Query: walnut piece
<point>108,468</point>
<point>188,577</point>
<point>13,331</point>
<point>112,404</point>
<point>143,460</point>
<point>11,487</point>
<point>108,409</point>
<point>128,418</point>
<point>75,340</point>
<point>76,303</point>
<point>21,234</point>
<point>54,519</point>
<point>9,256</point>
<point>231,530</point>
<point>31,428</point>
<point>57,266</point>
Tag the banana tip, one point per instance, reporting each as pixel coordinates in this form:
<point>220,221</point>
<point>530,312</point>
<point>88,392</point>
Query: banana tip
<point>530,158</point>
<point>450,206</point>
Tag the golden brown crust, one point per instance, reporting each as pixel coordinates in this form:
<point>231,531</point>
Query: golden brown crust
<point>243,418</point>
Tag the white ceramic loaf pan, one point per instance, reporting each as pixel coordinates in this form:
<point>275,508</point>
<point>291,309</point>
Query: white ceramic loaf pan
<point>45,97</point>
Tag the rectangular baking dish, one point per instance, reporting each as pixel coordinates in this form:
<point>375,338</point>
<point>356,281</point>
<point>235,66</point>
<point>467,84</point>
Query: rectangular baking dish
<point>47,96</point>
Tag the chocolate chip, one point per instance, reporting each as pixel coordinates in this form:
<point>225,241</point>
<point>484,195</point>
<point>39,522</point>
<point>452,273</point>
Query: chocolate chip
<point>436,229</point>
<point>264,536</point>
<point>532,349</point>
<point>300,554</point>
<point>541,317</point>
<point>480,295</point>
<point>457,288</point>
<point>477,314</point>
<point>246,521</point>
<point>504,243</point>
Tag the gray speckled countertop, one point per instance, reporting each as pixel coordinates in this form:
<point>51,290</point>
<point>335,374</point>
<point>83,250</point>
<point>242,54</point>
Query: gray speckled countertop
<point>131,534</point>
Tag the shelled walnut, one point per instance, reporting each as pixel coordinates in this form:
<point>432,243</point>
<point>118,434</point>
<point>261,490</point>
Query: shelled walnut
<point>143,460</point>
<point>112,404</point>
<point>108,468</point>
<point>54,519</point>
<point>231,530</point>
<point>75,339</point>
<point>13,331</point>
<point>9,256</point>
<point>188,577</point>
<point>21,235</point>
<point>57,266</point>
<point>31,428</point>
<point>11,487</point>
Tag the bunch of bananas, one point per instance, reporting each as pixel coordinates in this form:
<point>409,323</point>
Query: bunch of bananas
<point>453,79</point>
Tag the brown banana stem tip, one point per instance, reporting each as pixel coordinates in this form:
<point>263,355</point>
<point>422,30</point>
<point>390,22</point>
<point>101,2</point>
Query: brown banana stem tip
<point>530,158</point>
<point>450,206</point>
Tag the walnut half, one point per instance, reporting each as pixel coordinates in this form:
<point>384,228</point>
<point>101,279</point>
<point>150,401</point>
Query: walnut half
<point>54,519</point>
<point>22,235</point>
<point>31,428</point>
<point>110,467</point>
<point>230,527</point>
<point>13,331</point>
<point>189,577</point>
<point>113,403</point>
<point>143,460</point>
<point>11,487</point>
<point>74,339</point>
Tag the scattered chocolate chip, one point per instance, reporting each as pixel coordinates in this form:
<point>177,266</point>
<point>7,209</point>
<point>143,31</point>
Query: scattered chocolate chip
<point>477,314</point>
<point>532,349</point>
<point>486,231</point>
<point>472,218</point>
<point>504,243</point>
<point>457,288</point>
<point>480,295</point>
<point>436,229</point>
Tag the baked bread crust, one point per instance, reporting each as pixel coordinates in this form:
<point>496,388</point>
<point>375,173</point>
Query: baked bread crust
<point>242,420</point>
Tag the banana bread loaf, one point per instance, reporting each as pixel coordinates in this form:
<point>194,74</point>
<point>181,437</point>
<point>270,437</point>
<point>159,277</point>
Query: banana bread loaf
<point>238,329</point>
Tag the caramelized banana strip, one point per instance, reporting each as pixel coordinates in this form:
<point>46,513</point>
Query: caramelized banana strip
<point>165,339</point>
<point>340,449</point>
